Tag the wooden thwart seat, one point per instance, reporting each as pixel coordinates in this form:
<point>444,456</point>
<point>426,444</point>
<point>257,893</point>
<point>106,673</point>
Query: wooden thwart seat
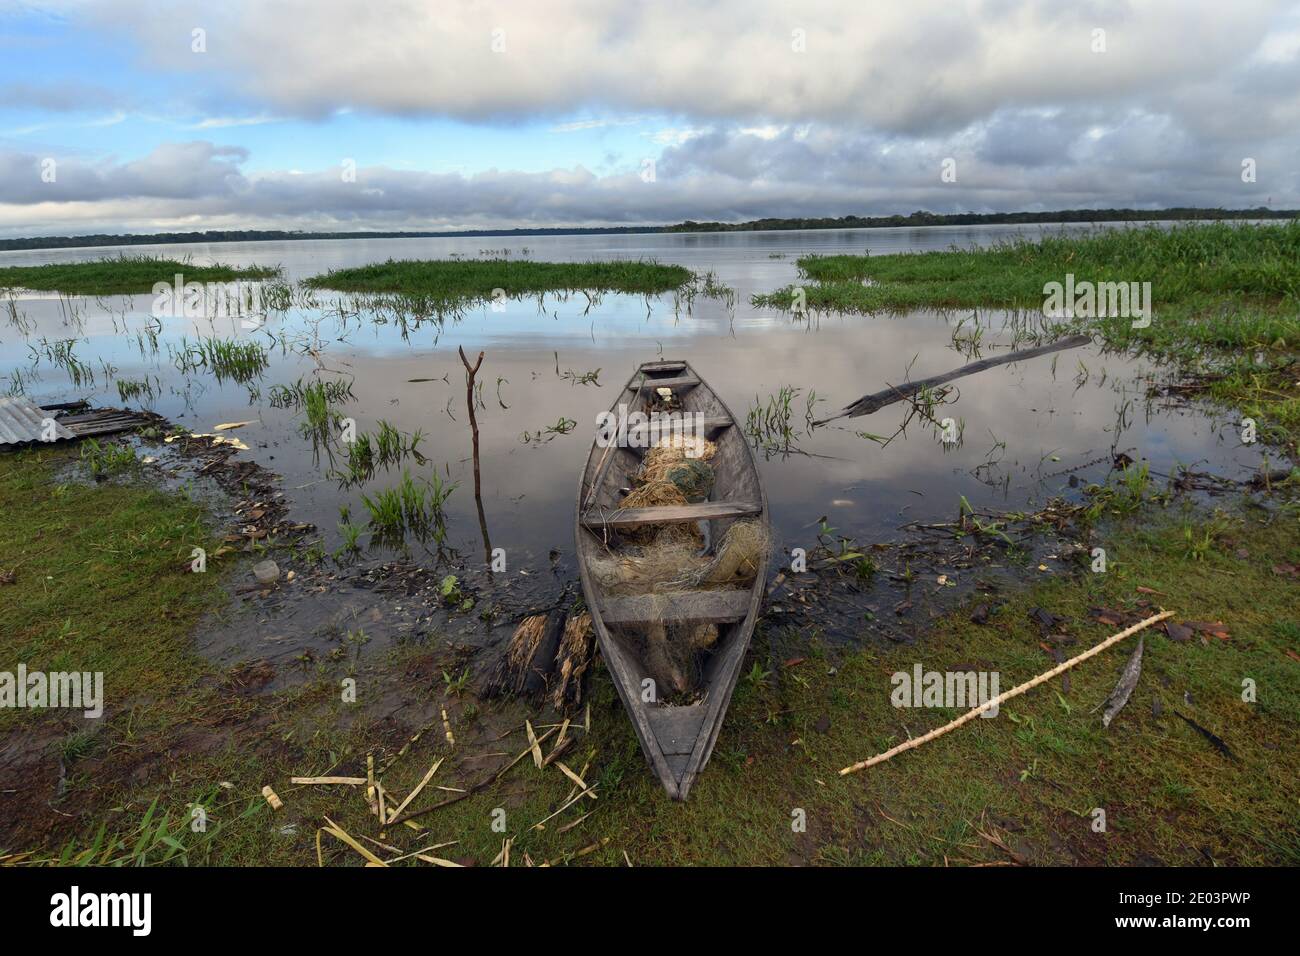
<point>675,383</point>
<point>670,514</point>
<point>702,607</point>
<point>667,426</point>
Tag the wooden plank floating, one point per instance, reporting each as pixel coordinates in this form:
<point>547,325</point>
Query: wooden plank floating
<point>704,607</point>
<point>671,514</point>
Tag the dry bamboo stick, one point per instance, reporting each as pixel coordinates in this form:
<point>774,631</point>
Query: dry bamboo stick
<point>416,792</point>
<point>327,781</point>
<point>539,824</point>
<point>481,785</point>
<point>532,742</point>
<point>337,831</point>
<point>1014,692</point>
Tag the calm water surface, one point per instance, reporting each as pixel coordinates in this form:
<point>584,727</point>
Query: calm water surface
<point>1026,427</point>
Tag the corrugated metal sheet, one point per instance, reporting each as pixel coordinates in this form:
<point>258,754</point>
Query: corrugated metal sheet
<point>21,421</point>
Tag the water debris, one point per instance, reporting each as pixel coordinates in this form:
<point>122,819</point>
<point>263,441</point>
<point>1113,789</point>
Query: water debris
<point>21,421</point>
<point>897,393</point>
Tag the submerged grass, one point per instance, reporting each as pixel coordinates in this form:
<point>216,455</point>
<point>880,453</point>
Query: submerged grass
<point>242,362</point>
<point>1226,298</point>
<point>123,275</point>
<point>387,448</point>
<point>451,282</point>
<point>416,508</point>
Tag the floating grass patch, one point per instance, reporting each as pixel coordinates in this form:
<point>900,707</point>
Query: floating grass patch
<point>135,390</point>
<point>123,275</point>
<point>548,432</point>
<point>442,283</point>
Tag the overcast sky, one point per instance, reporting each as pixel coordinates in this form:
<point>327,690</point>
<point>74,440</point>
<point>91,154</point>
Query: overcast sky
<point>138,116</point>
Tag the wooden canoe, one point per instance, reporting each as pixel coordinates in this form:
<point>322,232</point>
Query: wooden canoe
<point>677,739</point>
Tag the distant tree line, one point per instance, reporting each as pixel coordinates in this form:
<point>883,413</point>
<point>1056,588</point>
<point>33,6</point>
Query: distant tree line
<point>918,218</point>
<point>923,218</point>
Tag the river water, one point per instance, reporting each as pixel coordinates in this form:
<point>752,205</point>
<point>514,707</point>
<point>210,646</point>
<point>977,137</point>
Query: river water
<point>1026,428</point>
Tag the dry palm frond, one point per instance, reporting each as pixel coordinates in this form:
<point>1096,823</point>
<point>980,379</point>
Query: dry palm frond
<point>576,648</point>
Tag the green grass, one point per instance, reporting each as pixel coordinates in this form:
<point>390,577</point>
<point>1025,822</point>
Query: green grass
<point>410,507</point>
<point>1226,298</point>
<point>453,282</point>
<point>241,362</point>
<point>1030,777</point>
<point>103,572</point>
<point>125,275</point>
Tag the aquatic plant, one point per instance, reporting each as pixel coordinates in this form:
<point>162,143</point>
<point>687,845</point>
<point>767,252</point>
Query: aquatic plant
<point>562,427</point>
<point>103,460</point>
<point>417,509</point>
<point>388,448</point>
<point>122,275</point>
<point>239,361</point>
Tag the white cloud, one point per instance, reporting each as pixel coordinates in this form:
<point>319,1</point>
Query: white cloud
<point>923,66</point>
<point>745,126</point>
<point>724,175</point>
<point>226,122</point>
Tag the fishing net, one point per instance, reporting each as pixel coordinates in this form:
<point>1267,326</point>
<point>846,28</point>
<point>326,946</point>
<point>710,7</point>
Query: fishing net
<point>663,562</point>
<point>663,571</point>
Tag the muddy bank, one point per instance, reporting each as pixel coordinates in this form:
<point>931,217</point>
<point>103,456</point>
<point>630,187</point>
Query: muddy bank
<point>328,613</point>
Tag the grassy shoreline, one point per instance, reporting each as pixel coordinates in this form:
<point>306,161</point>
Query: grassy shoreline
<point>1226,298</point>
<point>125,275</point>
<point>193,735</point>
<point>113,558</point>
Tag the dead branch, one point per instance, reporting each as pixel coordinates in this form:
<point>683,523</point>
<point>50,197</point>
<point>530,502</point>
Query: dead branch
<point>897,393</point>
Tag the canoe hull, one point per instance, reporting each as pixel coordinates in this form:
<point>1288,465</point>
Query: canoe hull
<point>677,740</point>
